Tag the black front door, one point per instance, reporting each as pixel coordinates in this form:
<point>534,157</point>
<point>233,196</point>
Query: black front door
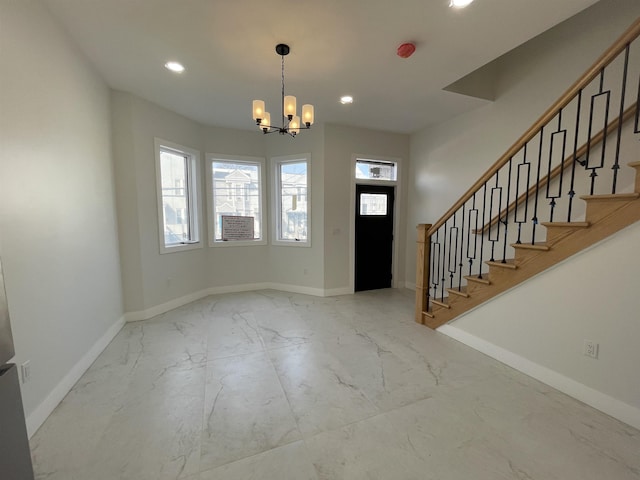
<point>374,237</point>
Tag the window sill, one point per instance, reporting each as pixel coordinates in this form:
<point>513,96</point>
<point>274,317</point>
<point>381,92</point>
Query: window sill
<point>291,243</point>
<point>179,247</point>
<point>237,243</point>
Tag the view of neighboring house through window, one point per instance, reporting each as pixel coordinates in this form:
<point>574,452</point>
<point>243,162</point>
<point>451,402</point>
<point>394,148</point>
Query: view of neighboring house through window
<point>291,175</point>
<point>236,190</point>
<point>177,195</point>
<point>376,170</point>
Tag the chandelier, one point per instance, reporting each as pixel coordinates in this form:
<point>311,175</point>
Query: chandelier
<point>290,122</point>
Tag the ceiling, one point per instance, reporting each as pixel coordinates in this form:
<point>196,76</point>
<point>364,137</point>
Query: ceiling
<point>338,47</point>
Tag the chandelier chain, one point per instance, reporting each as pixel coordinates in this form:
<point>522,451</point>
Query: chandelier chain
<point>282,103</point>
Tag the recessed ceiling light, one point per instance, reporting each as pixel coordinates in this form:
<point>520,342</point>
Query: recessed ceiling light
<point>460,3</point>
<point>346,99</point>
<point>174,67</point>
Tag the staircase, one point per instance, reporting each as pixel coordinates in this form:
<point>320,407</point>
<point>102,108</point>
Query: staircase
<point>506,228</point>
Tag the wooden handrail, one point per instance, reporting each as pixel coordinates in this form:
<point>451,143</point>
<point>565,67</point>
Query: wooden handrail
<point>566,163</point>
<point>605,59</point>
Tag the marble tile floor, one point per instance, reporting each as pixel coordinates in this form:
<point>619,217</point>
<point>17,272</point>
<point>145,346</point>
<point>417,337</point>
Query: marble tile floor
<point>274,385</point>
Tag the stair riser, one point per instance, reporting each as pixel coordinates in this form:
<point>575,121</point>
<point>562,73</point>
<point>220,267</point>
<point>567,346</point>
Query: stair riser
<point>559,234</point>
<point>500,274</point>
<point>474,287</point>
<point>598,210</point>
<point>524,256</point>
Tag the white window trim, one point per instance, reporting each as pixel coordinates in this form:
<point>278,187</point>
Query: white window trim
<point>211,157</point>
<point>397,235</point>
<point>194,192</point>
<point>275,204</point>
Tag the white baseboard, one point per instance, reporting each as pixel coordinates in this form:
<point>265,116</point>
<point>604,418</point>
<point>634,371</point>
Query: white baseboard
<point>334,292</point>
<point>247,287</point>
<point>410,286</point>
<point>42,411</point>
<point>598,400</point>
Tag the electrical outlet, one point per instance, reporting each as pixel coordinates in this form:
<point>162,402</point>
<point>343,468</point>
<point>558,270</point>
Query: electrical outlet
<point>590,349</point>
<point>26,371</point>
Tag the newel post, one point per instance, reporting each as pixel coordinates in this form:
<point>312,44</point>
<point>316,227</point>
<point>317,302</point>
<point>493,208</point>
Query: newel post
<point>422,270</point>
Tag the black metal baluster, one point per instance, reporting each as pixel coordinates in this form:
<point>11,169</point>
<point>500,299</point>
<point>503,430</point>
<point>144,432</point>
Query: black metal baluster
<point>616,163</point>
<point>506,216</point>
<point>453,248</point>
<point>430,269</point>
<point>484,210</point>
<point>588,166</point>
<point>552,142</point>
<point>526,193</point>
<point>572,192</point>
<point>444,256</point>
<point>472,213</point>
<point>435,274</point>
<point>461,264</point>
<point>535,202</point>
<point>495,190</point>
<point>636,128</point>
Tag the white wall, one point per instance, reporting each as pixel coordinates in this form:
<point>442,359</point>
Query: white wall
<point>302,266</point>
<point>588,296</point>
<point>57,208</point>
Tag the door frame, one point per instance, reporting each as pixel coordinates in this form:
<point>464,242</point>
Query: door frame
<point>395,261</point>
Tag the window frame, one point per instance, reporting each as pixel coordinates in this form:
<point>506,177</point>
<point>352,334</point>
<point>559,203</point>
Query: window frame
<point>192,185</point>
<point>276,190</point>
<point>211,214</point>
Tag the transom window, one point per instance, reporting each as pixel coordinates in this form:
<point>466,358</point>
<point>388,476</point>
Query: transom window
<point>376,170</point>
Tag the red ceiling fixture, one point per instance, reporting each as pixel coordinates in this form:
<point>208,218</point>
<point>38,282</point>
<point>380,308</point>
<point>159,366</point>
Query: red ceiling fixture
<point>406,50</point>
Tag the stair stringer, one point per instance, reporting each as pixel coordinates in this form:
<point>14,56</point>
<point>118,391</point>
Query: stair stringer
<point>605,216</point>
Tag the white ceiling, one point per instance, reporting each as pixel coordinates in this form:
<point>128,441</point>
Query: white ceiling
<point>337,47</point>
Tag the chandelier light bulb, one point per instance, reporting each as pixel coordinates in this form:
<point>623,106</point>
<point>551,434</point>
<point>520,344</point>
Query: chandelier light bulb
<point>258,109</point>
<point>307,114</point>
<point>294,125</point>
<point>290,106</point>
<point>265,123</point>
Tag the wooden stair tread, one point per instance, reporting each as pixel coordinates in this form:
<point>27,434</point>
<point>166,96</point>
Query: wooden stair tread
<point>440,303</point>
<point>461,293</point>
<point>483,281</point>
<point>508,264</point>
<point>566,224</point>
<point>634,164</point>
<point>611,196</point>
<point>528,246</point>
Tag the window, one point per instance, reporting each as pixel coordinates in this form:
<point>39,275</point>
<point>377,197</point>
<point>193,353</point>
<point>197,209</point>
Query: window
<point>376,170</point>
<point>373,204</point>
<point>177,174</point>
<point>235,200</point>
<point>291,200</point>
